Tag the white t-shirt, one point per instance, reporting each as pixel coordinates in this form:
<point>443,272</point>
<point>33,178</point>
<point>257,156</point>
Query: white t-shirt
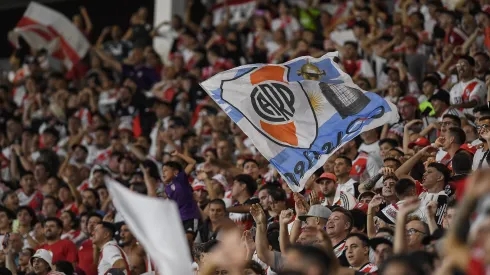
<point>154,134</point>
<point>109,255</point>
<point>97,156</point>
<point>454,112</point>
<point>373,164</point>
<point>463,92</point>
<point>290,25</point>
<point>371,149</point>
<point>5,157</point>
<point>479,154</point>
<point>348,187</point>
<point>365,69</point>
<point>340,37</point>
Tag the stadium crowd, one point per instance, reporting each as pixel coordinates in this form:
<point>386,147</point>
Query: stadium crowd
<point>398,199</point>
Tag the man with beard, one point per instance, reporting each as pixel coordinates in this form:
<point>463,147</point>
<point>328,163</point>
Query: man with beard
<point>136,253</point>
<point>328,186</point>
<point>342,169</point>
<point>111,255</point>
<point>126,169</point>
<point>469,91</point>
<point>85,253</point>
<point>482,62</point>
<point>99,152</point>
<point>63,250</point>
<point>90,201</point>
<point>209,229</point>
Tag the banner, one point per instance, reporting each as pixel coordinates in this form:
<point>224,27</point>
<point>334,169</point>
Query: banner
<point>298,113</point>
<point>156,224</point>
<point>45,28</point>
<point>240,10</point>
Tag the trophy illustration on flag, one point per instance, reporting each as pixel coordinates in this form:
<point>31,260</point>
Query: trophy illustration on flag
<point>347,101</point>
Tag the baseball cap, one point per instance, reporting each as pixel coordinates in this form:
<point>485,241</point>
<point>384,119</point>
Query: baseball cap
<point>125,126</point>
<point>318,211</point>
<point>421,141</point>
<point>221,179</point>
<point>410,99</point>
<point>441,95</point>
<point>199,185</point>
<point>374,242</point>
<point>327,176</point>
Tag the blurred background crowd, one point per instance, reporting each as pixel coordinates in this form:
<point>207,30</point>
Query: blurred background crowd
<point>396,200</point>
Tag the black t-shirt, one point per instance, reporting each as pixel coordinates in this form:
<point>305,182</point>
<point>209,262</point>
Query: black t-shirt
<point>119,49</point>
<point>244,220</point>
<point>141,35</point>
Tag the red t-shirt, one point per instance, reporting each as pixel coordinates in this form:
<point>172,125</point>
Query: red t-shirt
<point>63,250</point>
<point>86,258</point>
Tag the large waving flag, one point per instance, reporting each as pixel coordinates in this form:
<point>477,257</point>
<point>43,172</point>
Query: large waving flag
<point>156,224</point>
<point>298,113</point>
<point>45,28</point>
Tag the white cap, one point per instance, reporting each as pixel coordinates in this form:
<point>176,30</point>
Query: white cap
<point>125,125</point>
<point>44,254</point>
<point>199,185</point>
<point>221,179</point>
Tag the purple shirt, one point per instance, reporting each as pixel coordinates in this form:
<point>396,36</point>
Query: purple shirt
<point>144,76</point>
<point>180,191</point>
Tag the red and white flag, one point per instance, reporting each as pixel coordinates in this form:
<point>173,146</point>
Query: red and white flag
<point>45,28</point>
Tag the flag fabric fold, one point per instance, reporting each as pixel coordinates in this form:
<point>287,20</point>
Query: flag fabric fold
<point>156,223</point>
<point>298,113</point>
<point>45,28</point>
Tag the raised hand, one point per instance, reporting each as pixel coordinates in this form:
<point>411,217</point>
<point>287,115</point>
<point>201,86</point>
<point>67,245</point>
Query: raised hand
<point>300,205</point>
<point>439,142</point>
<point>314,199</point>
<point>387,171</point>
<point>258,214</point>
<point>409,206</point>
<point>431,209</point>
<point>285,217</point>
<point>248,241</point>
<point>478,184</point>
<point>376,202</point>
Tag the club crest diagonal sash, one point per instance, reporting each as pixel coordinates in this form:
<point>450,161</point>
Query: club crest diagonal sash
<point>298,113</point>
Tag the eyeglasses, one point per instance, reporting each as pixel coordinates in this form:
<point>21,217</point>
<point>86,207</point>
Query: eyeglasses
<point>412,231</point>
<point>481,127</point>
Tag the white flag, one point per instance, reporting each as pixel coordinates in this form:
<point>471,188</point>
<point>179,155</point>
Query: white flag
<point>45,28</point>
<point>156,224</point>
